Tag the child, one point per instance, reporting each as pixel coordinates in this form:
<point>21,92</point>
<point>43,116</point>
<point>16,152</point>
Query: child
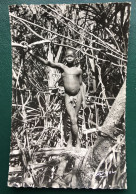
<point>74,90</point>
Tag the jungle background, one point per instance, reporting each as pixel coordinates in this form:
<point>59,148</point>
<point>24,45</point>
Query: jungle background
<point>99,34</point>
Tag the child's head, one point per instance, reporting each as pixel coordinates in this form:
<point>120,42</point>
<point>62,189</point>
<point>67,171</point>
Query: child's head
<point>70,56</point>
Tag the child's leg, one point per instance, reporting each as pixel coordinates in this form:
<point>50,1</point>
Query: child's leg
<point>73,115</point>
<point>84,88</point>
<point>78,106</point>
<point>79,101</point>
<point>65,118</point>
<point>83,93</point>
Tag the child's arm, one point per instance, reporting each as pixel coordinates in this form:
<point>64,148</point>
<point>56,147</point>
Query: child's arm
<point>48,63</point>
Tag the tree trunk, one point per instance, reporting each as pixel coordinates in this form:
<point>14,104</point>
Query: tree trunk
<point>116,112</point>
<point>103,143</point>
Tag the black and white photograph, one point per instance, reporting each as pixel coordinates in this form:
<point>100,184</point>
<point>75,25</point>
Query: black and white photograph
<point>69,69</point>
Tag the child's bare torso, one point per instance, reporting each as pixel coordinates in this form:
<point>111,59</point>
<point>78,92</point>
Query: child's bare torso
<point>72,80</point>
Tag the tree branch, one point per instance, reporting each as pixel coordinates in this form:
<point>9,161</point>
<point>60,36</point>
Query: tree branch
<point>67,19</point>
<point>84,36</point>
<point>61,35</point>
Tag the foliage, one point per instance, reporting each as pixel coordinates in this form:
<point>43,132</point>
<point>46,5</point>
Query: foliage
<point>99,34</point>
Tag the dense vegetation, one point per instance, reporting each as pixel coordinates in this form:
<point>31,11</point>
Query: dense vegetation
<point>99,34</point>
